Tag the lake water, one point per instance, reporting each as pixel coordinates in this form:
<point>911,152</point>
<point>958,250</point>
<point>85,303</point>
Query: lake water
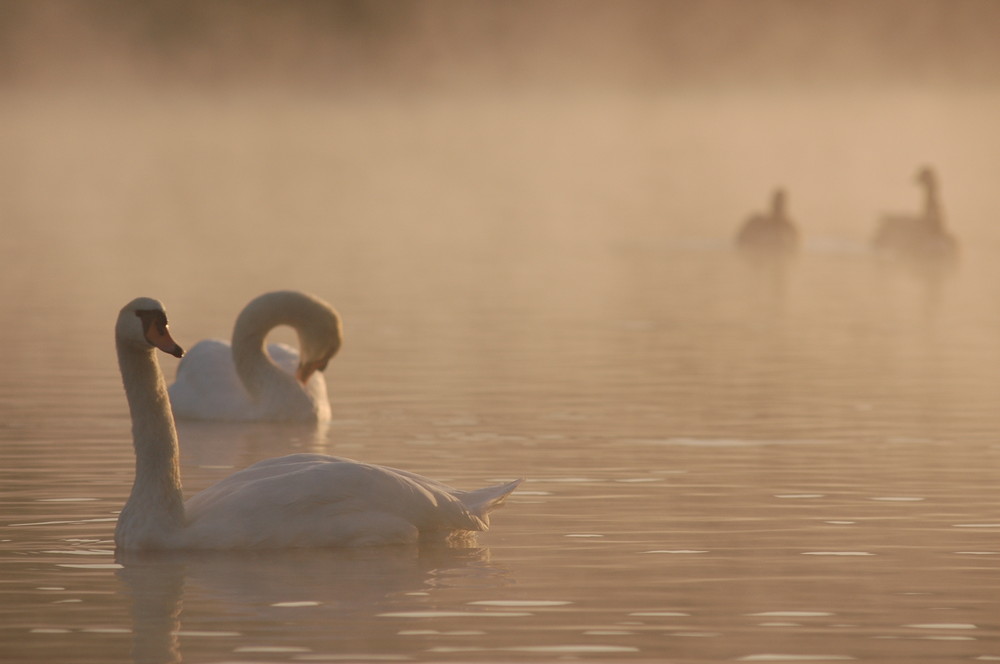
<point>722,464</point>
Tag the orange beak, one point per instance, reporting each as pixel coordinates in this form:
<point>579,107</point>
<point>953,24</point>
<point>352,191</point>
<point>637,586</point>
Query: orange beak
<point>161,339</point>
<point>307,369</point>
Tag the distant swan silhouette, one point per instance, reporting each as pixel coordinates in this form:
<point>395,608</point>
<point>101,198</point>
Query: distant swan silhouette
<point>921,236</point>
<point>242,381</point>
<point>770,234</point>
<point>292,501</point>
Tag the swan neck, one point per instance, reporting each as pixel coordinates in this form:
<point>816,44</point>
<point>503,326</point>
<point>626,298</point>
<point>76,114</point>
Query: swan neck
<point>778,207</point>
<point>932,206</point>
<point>156,493</point>
<point>250,358</point>
<point>255,367</point>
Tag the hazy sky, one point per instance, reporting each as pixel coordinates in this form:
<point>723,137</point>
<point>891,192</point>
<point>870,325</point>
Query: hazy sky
<point>456,44</point>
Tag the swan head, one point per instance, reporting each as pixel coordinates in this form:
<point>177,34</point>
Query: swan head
<point>142,323</point>
<point>319,342</point>
<point>926,177</point>
<point>778,200</point>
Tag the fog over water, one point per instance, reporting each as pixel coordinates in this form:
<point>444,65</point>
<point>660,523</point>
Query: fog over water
<point>667,117</point>
<point>525,213</point>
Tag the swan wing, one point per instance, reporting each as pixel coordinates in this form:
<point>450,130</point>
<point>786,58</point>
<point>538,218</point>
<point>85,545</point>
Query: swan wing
<point>207,386</point>
<point>483,501</point>
<point>287,358</point>
<point>284,356</point>
<point>479,502</point>
<point>315,500</point>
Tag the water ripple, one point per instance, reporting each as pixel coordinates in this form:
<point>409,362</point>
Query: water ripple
<point>794,658</point>
<point>453,614</point>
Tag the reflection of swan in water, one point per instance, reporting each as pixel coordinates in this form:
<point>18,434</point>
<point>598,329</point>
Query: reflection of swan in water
<point>243,381</point>
<point>156,591</point>
<point>920,237</point>
<point>334,592</point>
<point>291,501</point>
<point>771,234</point>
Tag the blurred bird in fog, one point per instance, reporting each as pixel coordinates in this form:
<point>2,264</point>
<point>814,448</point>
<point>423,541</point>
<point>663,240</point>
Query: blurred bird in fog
<point>920,237</point>
<point>769,235</point>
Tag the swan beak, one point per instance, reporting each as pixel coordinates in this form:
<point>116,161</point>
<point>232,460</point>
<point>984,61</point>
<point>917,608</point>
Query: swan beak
<point>161,339</point>
<point>307,369</point>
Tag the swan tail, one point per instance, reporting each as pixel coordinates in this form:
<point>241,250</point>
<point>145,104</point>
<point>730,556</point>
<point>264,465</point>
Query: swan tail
<point>483,501</point>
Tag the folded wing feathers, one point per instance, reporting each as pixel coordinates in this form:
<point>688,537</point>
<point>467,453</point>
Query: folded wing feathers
<point>321,489</point>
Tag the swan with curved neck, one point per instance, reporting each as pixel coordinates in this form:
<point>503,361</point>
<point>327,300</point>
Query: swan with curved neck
<point>244,381</point>
<point>921,236</point>
<point>292,501</point>
<point>772,233</point>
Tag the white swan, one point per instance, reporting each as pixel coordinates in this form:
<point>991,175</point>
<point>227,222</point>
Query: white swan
<point>771,233</point>
<point>241,382</point>
<point>921,236</point>
<point>292,501</point>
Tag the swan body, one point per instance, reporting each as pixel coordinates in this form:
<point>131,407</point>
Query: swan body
<point>921,236</point>
<point>242,381</point>
<point>772,233</point>
<point>298,500</point>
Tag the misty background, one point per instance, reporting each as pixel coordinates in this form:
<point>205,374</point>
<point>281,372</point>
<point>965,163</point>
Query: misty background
<point>661,116</point>
<point>553,172</point>
<point>637,46</point>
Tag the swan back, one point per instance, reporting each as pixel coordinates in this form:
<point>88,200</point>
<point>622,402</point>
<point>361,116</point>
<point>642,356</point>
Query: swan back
<point>318,500</point>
